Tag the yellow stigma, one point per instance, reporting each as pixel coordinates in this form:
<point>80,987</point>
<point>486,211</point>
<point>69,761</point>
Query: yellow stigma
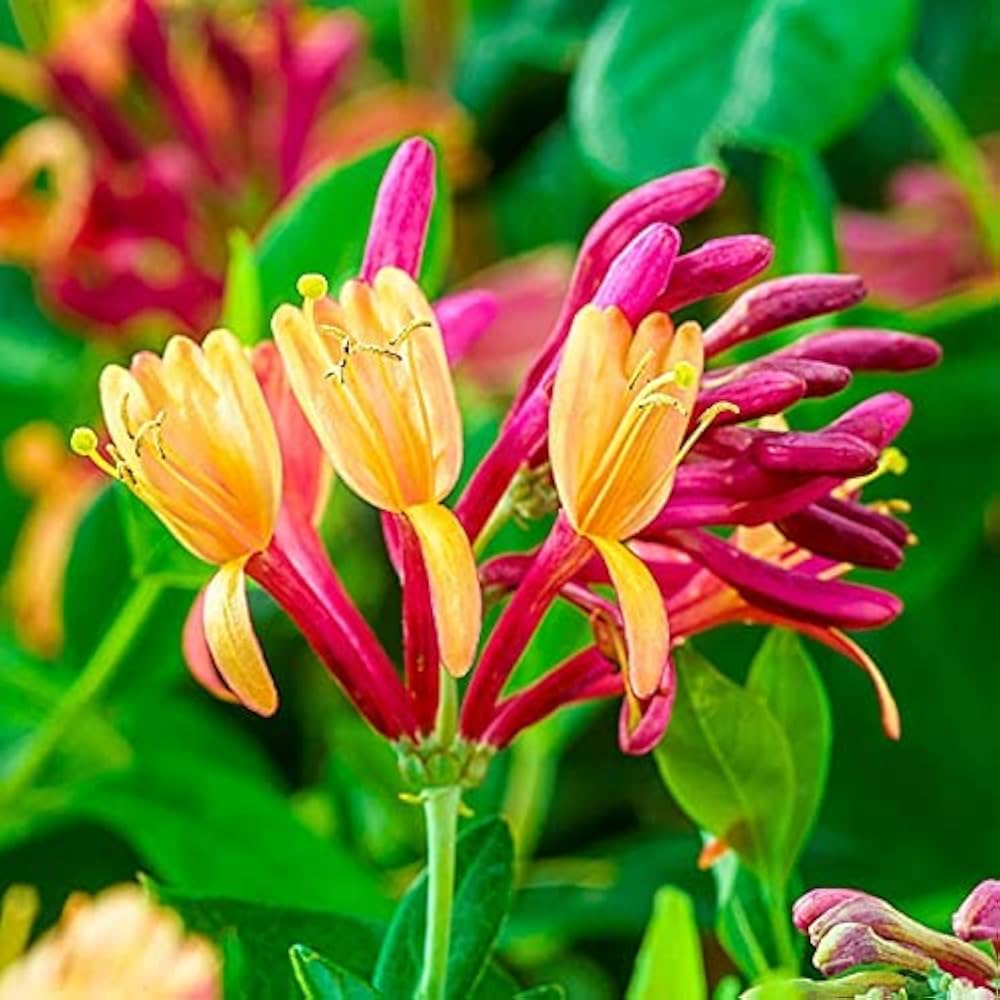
<point>312,286</point>
<point>685,374</point>
<point>83,441</point>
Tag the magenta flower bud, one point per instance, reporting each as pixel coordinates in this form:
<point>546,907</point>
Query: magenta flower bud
<point>774,304</point>
<point>892,528</point>
<point>816,902</point>
<point>821,378</point>
<point>847,946</point>
<point>464,317</point>
<point>402,212</point>
<point>828,534</point>
<point>877,419</point>
<point>715,267</point>
<point>867,350</point>
<point>815,453</point>
<point>638,275</point>
<point>978,918</point>
<point>756,393</point>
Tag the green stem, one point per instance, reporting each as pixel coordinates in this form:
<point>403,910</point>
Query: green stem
<point>530,779</point>
<point>441,814</point>
<point>955,147</point>
<point>502,513</point>
<point>781,928</point>
<point>88,686</point>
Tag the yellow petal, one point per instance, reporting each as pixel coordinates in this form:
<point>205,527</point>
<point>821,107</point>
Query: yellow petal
<point>454,584</point>
<point>647,632</point>
<point>588,400</point>
<point>231,639</point>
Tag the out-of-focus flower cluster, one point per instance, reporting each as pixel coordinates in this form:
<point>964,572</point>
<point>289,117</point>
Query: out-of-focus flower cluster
<point>117,943</point>
<point>671,473</point>
<point>180,125</point>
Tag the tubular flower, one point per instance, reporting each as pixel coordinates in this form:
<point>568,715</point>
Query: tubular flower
<point>118,943</point>
<point>376,388</point>
<point>192,438</point>
<point>620,408</point>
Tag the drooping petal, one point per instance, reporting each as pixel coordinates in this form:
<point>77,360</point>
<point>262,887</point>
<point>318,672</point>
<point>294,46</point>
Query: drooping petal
<point>232,641</point>
<point>198,656</point>
<point>641,726</point>
<point>454,585</point>
<point>647,632</point>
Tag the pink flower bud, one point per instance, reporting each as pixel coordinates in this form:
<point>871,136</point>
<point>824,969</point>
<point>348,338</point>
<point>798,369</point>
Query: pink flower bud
<point>847,946</point>
<point>978,918</point>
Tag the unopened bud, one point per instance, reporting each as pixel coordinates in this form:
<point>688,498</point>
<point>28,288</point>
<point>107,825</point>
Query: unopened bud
<point>848,945</point>
<point>978,918</point>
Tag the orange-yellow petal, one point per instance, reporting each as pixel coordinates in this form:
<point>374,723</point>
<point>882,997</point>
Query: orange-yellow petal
<point>454,584</point>
<point>647,632</point>
<point>232,641</point>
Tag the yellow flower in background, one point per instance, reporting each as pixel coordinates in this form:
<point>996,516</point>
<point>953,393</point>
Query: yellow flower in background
<point>621,405</point>
<point>192,437</point>
<point>116,944</point>
<point>375,385</point>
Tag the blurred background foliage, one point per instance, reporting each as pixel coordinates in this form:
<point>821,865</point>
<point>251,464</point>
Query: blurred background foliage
<point>573,101</point>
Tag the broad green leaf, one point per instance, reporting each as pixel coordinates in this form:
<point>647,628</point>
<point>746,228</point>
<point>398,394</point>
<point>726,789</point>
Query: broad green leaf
<point>321,979</point>
<point>484,872</point>
<point>324,228</point>
<point>727,763</point>
<point>669,962</point>
<point>798,215</point>
<point>241,311</point>
<point>786,678</point>
<point>666,85</point>
<point>266,933</point>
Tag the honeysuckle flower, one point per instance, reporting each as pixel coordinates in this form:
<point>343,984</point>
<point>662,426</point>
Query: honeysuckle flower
<point>192,437</point>
<point>60,489</point>
<point>978,918</point>
<point>850,928</point>
<point>927,243</point>
<point>117,943</point>
<point>375,385</point>
<point>237,111</point>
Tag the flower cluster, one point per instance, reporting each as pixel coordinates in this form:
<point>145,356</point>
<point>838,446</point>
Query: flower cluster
<point>630,427</point>
<point>178,127</point>
<point>118,943</point>
<point>851,929</point>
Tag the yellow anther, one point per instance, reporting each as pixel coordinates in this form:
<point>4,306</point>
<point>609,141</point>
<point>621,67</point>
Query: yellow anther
<point>312,286</point>
<point>704,422</point>
<point>640,367</point>
<point>661,399</point>
<point>414,324</point>
<point>153,429</point>
<point>893,460</point>
<point>83,441</point>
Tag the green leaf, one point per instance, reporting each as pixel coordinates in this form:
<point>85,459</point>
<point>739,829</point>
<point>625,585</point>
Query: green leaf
<point>728,988</point>
<point>241,311</point>
<point>727,762</point>
<point>768,74</point>
<point>547,991</point>
<point>267,933</point>
<point>323,229</point>
<point>798,215</point>
<point>784,676</point>
<point>484,873</point>
<point>670,961</point>
<point>743,919</point>
<point>321,979</point>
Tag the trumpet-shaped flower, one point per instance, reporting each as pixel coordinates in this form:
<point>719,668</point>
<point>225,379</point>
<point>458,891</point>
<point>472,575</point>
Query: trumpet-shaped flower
<point>376,388</point>
<point>620,408</point>
<point>192,437</point>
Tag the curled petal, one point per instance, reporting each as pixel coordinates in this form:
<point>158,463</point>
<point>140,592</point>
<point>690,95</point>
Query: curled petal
<point>816,902</point>
<point>231,640</point>
<point>647,632</point>
<point>454,584</point>
<point>198,656</point>
<point>639,736</point>
<point>402,211</point>
<point>978,918</point>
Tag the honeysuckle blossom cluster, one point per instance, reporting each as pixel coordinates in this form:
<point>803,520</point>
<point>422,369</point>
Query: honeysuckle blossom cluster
<point>671,474</point>
<point>180,125</point>
<point>853,931</point>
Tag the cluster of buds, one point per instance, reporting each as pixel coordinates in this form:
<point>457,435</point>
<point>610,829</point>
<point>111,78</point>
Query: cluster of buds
<point>179,126</point>
<point>118,943</point>
<point>650,453</point>
<point>851,929</point>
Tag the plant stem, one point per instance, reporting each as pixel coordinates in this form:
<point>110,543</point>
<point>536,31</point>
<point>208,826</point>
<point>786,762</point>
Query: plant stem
<point>88,686</point>
<point>530,779</point>
<point>441,815</point>
<point>781,928</point>
<point>955,146</point>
